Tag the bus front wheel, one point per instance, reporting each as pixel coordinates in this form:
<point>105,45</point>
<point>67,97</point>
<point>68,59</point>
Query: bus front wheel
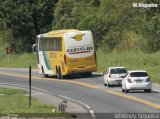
<point>44,75</point>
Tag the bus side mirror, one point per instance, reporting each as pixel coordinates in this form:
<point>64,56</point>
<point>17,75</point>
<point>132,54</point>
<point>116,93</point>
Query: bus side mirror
<point>34,48</point>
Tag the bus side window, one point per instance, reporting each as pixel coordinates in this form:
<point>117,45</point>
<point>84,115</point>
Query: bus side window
<point>53,44</point>
<point>57,44</point>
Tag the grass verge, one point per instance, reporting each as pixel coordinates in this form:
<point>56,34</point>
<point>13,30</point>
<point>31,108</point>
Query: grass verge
<point>18,60</point>
<point>131,60</point>
<point>134,60</point>
<point>15,102</point>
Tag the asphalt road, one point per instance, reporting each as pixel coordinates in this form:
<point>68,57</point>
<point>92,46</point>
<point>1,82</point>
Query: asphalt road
<point>100,99</point>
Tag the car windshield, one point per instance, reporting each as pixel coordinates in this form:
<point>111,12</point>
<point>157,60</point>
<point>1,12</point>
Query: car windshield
<point>138,74</point>
<point>118,71</point>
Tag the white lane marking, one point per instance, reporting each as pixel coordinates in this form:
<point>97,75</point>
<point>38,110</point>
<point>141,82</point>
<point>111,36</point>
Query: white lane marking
<point>157,91</point>
<point>40,89</point>
<point>90,111</point>
<point>24,86</point>
<point>75,101</point>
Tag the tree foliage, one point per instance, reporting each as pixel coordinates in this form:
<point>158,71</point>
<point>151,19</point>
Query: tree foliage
<point>115,24</point>
<point>26,19</point>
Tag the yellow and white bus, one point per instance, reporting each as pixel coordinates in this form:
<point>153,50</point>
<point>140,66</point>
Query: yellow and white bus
<point>66,52</point>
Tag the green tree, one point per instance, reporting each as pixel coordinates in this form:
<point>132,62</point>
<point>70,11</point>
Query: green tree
<point>152,28</point>
<point>27,19</point>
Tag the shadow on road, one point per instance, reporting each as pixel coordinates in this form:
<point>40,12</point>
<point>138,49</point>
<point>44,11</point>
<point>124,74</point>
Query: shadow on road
<point>82,76</point>
<point>141,91</point>
<point>77,76</point>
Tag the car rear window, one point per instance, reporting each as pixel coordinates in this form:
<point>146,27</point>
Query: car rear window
<point>118,71</point>
<point>138,74</point>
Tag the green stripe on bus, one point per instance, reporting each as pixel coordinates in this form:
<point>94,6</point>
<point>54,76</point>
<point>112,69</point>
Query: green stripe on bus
<point>46,59</point>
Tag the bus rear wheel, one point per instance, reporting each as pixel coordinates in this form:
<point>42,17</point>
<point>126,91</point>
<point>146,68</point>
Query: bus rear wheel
<point>59,74</point>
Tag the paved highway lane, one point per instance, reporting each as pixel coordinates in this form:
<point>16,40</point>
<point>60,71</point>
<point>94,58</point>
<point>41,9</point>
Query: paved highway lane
<point>98,99</point>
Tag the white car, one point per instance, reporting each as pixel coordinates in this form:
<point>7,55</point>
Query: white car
<point>136,80</point>
<point>114,76</point>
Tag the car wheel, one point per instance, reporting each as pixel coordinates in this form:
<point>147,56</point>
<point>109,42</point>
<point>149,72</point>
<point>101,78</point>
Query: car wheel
<point>105,84</point>
<point>148,90</point>
<point>123,90</point>
<point>109,85</point>
<point>126,90</point>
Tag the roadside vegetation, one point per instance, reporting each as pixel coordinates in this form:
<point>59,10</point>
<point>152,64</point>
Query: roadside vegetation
<point>14,102</point>
<point>134,60</point>
<point>23,60</point>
